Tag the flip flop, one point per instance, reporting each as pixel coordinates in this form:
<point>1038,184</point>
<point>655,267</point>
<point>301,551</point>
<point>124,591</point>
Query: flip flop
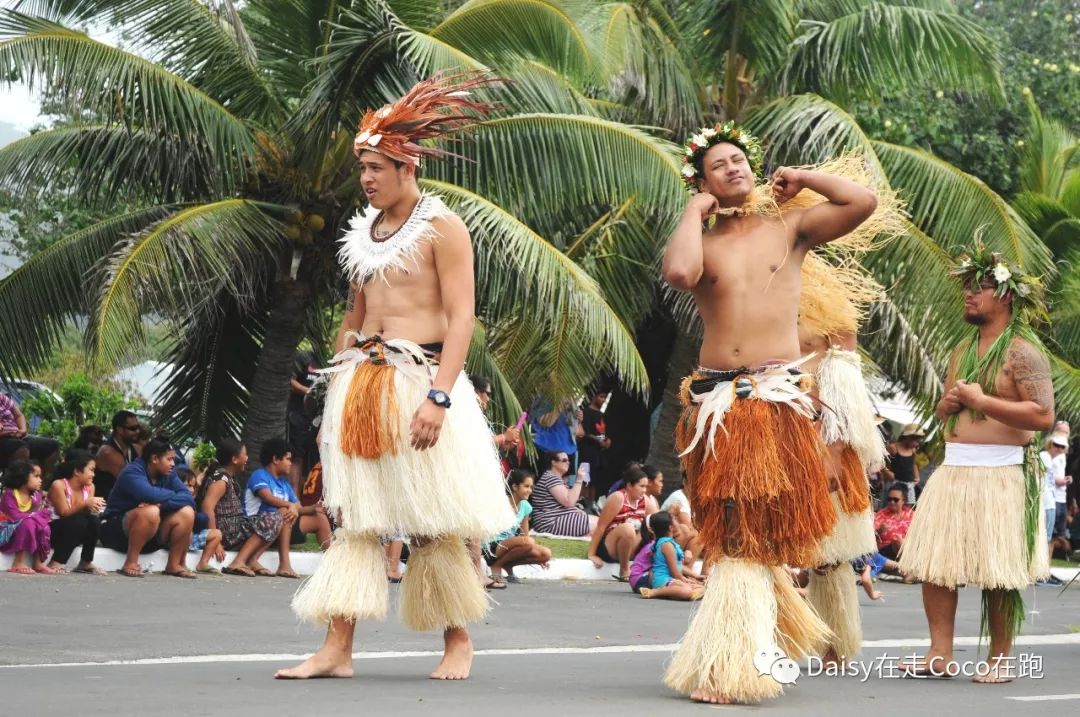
<point>495,583</point>
<point>262,573</point>
<point>287,574</point>
<point>621,578</point>
<point>90,571</point>
<point>244,572</point>
<point>21,570</point>
<point>208,570</point>
<point>185,574</point>
<point>126,574</point>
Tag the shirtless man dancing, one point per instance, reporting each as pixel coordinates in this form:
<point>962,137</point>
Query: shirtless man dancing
<point>401,417</point>
<point>979,520</point>
<point>755,464</point>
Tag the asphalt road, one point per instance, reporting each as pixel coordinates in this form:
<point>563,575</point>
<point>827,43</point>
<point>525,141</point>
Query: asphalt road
<point>209,647</point>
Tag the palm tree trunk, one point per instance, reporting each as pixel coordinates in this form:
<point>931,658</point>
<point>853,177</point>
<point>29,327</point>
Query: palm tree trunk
<point>270,386</point>
<point>662,448</point>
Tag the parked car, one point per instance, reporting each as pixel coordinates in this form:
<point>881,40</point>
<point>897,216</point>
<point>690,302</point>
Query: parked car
<point>22,390</point>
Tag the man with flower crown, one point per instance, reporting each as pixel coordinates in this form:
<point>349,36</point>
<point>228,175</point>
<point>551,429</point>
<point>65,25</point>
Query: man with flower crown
<point>401,418</point>
<point>980,519</point>
<point>757,468</point>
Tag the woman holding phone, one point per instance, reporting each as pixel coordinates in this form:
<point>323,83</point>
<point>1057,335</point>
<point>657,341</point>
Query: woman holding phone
<point>555,497</point>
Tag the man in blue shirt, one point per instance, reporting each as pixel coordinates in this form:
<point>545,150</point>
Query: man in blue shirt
<point>150,508</point>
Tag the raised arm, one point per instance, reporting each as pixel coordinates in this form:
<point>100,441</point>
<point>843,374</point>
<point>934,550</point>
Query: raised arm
<point>849,204</point>
<point>684,257</point>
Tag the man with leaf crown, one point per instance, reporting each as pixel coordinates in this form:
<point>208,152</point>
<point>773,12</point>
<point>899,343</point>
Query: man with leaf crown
<point>401,417</point>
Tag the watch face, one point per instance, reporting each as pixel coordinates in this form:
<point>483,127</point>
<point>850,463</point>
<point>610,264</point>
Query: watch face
<point>440,396</point>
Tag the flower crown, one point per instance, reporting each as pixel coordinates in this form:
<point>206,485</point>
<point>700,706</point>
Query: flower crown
<point>975,266</point>
<point>700,142</point>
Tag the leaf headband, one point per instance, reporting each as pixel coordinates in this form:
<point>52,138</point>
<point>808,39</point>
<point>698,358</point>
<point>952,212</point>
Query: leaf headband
<point>700,142</point>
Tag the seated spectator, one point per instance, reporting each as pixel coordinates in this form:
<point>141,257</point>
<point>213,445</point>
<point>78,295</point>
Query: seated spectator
<point>618,484</point>
<point>204,538</point>
<point>116,452</point>
<point>513,546</point>
<point>149,509</point>
<point>554,501</point>
<point>219,497</point>
<point>270,491</point>
<point>90,439</point>
<point>867,581</point>
<point>24,519</point>
<point>508,441</point>
<point>682,527</point>
<point>891,523</point>
<point>16,444</point>
<point>76,512</point>
<point>669,578</point>
<point>616,533</point>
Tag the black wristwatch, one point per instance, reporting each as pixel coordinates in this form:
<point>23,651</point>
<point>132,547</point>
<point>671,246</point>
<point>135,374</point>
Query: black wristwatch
<point>439,398</point>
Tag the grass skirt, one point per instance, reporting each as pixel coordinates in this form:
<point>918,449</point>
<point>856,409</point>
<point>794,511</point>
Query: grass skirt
<point>969,530</point>
<point>834,597</point>
<point>847,415</point>
<point>759,486</point>
<point>350,582</point>
<point>854,534</point>
<point>746,608</point>
<point>441,588</point>
<point>380,484</point>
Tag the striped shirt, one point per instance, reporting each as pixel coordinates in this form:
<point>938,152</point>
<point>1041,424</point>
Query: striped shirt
<point>551,516</point>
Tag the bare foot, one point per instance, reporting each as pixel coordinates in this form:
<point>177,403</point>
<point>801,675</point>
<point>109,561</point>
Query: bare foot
<point>876,595</point>
<point>928,666</point>
<point>457,656</point>
<point>59,568</point>
<point>1000,672</point>
<point>44,570</point>
<point>713,698</point>
<point>323,664</point>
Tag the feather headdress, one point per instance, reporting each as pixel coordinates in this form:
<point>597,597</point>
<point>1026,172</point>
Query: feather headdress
<point>434,107</point>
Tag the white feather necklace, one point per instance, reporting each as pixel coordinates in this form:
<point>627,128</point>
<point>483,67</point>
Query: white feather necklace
<point>364,258</point>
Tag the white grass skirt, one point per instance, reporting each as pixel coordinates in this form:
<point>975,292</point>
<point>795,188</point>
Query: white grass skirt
<point>847,414</point>
<point>852,537</point>
<point>969,530</point>
<point>455,487</point>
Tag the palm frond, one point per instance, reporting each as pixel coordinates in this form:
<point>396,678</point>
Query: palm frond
<point>1049,152</point>
<point>1066,377</point>
<point>1047,217</point>
<point>205,395</point>
<point>804,129</point>
<point>827,10</point>
<point>949,203</point>
<point>505,406</point>
<point>101,162</point>
<point>881,48</point>
<point>84,75</point>
<point>494,30</point>
<point>757,31</point>
<point>179,266</point>
<point>538,164</point>
<point>53,288</point>
<point>901,353</point>
<point>519,271</point>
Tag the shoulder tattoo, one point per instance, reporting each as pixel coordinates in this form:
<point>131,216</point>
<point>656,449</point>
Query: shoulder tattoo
<point>350,302</point>
<point>1030,372</point>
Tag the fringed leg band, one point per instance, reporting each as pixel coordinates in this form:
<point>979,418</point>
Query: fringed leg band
<point>350,582</point>
<point>834,596</point>
<point>747,607</point>
<point>441,589</point>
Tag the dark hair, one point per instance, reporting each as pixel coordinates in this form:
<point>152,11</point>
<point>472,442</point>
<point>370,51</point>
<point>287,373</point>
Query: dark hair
<point>660,524</point>
<point>154,448</point>
<point>631,476</point>
<point>897,487</point>
<point>651,471</point>
<point>77,459</point>
<point>121,417</point>
<point>480,383</point>
<point>17,474</point>
<point>549,458</point>
<point>416,166</point>
<point>225,451</point>
<point>518,476</point>
<point>144,435</point>
<point>272,450</point>
<point>631,464</point>
<point>699,158</point>
<point>89,436</point>
<point>185,474</point>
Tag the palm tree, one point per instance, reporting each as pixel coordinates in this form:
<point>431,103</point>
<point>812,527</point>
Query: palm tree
<point>229,132</point>
<point>790,70</point>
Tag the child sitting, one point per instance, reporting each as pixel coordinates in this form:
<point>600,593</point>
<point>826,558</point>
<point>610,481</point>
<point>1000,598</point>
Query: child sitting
<point>24,519</point>
<point>514,546</point>
<point>668,578</point>
<point>203,538</point>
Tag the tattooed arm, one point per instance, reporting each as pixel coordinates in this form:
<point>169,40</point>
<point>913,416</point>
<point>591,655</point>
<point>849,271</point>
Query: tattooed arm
<point>1030,372</point>
<point>353,320</point>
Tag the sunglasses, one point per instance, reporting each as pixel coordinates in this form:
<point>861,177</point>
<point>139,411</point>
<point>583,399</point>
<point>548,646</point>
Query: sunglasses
<point>131,428</point>
<point>896,500</point>
<point>562,460</point>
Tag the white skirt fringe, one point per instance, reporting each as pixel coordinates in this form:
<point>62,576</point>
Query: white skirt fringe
<point>455,487</point>
<point>852,537</point>
<point>847,414</point>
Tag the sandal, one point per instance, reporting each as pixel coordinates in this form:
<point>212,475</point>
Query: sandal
<point>495,583</point>
<point>181,573</point>
<point>208,570</point>
<point>45,570</point>
<point>287,574</point>
<point>621,578</point>
<point>60,570</point>
<point>242,571</point>
<point>130,572</point>
<point>262,572</point>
